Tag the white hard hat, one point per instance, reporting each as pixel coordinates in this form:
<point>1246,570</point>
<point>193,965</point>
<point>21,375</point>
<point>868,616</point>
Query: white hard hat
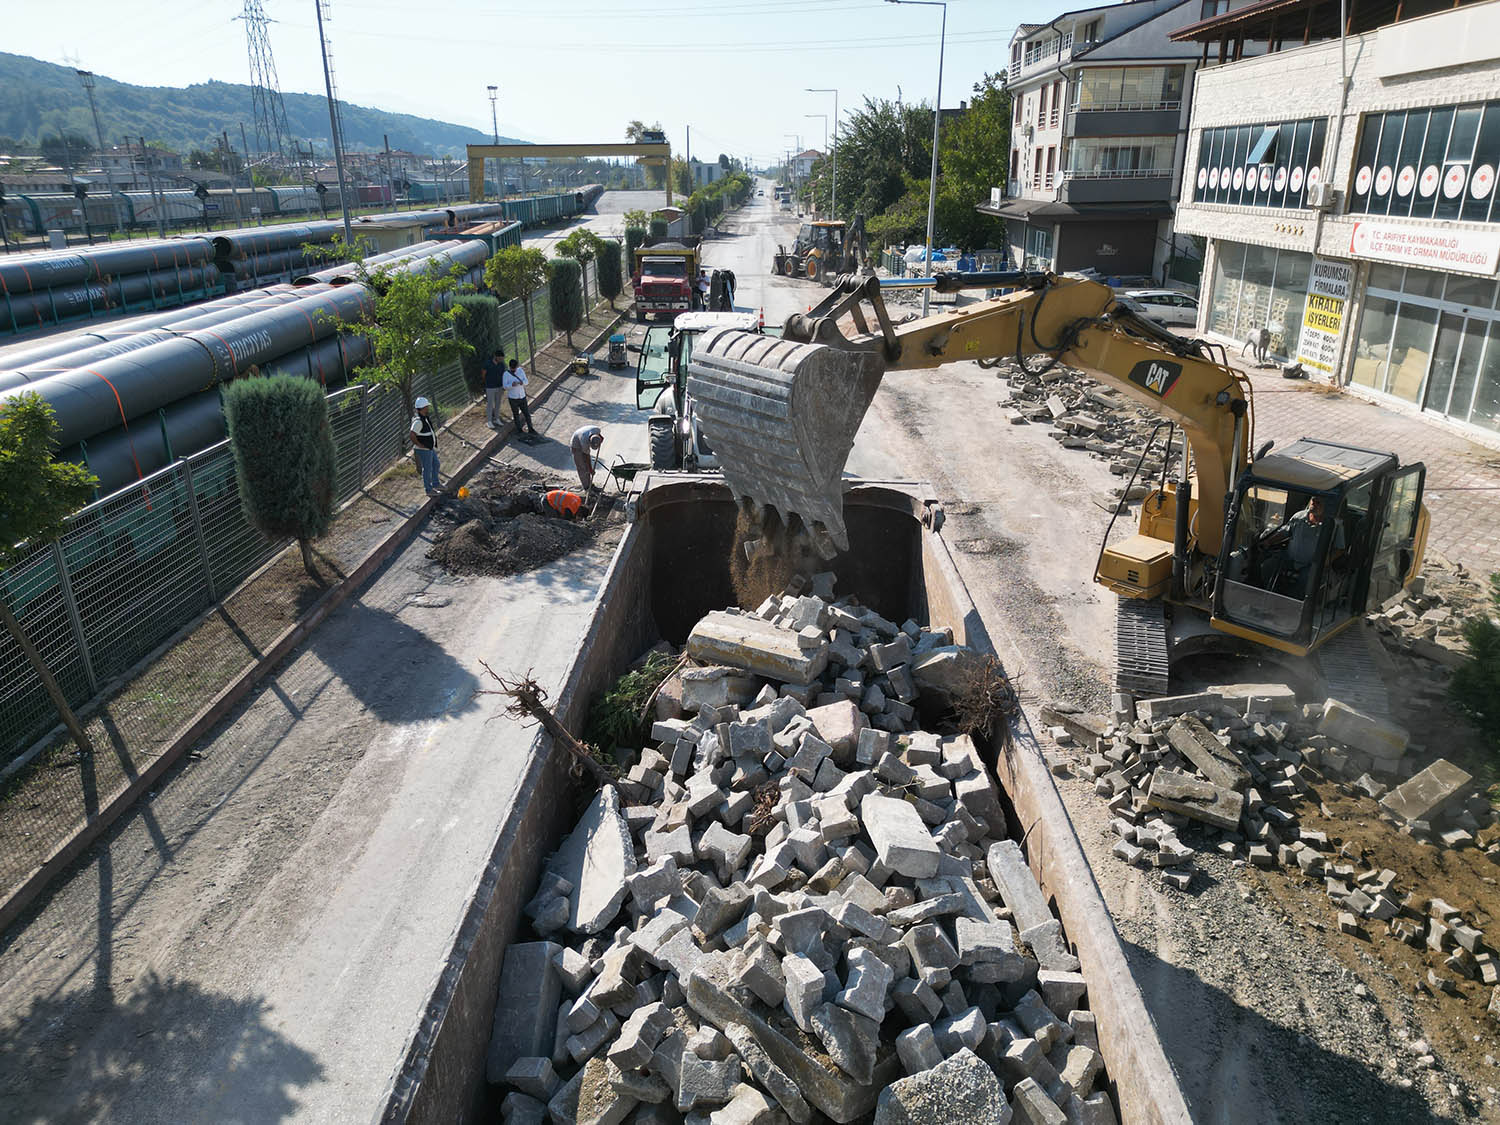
<point>421,402</point>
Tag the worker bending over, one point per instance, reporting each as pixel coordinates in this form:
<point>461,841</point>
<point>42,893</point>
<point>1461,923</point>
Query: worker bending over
<point>586,443</point>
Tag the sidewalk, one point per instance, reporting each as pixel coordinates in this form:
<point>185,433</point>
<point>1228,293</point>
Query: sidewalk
<point>1463,477</point>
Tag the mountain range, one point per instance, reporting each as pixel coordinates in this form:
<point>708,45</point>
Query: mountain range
<point>42,99</point>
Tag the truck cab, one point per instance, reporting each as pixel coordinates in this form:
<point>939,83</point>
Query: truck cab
<point>677,441</point>
<point>1319,535</point>
<point>663,279</point>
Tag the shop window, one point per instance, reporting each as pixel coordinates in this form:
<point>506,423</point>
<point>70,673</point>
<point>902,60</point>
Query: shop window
<point>1372,345</point>
<point>1435,163</point>
<point>1266,165</point>
<point>1257,287</point>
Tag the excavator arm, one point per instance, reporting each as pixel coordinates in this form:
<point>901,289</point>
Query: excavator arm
<point>782,413</point>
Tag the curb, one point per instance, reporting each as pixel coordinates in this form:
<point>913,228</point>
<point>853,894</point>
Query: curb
<point>26,892</point>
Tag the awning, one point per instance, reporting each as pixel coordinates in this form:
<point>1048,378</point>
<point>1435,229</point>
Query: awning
<point>1049,211</point>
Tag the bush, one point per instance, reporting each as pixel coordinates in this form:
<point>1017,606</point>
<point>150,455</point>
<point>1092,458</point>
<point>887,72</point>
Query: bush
<point>283,457</point>
<point>480,328</point>
<point>658,229</point>
<point>565,294</point>
<point>634,236</point>
<point>611,281</point>
<point>1476,683</point>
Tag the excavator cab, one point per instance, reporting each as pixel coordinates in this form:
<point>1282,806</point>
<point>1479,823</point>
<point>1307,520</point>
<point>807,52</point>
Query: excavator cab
<point>1317,535</point>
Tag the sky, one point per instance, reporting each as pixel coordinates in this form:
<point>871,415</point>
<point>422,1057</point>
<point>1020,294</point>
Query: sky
<point>734,71</point>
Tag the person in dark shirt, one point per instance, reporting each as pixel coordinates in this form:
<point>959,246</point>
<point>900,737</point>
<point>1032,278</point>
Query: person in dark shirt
<point>494,387</point>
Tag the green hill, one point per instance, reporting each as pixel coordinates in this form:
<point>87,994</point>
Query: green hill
<point>42,98</point>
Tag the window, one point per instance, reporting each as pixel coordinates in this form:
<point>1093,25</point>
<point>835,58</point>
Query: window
<point>1437,163</point>
<point>1212,8</point>
<point>1268,165</point>
<point>1090,31</point>
<point>1256,287</point>
<point>1038,247</point>
<point>1128,87</point>
<point>1017,106</point>
<point>1041,117</point>
<point>1105,157</point>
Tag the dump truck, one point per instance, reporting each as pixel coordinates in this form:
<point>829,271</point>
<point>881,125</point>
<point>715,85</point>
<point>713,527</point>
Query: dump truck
<point>1274,553</point>
<point>663,278</point>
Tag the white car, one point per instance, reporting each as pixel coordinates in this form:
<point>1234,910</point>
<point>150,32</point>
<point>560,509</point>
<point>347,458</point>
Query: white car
<point>1167,305</point>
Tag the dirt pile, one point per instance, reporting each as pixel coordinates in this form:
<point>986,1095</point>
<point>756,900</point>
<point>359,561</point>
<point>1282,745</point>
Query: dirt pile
<point>503,526</point>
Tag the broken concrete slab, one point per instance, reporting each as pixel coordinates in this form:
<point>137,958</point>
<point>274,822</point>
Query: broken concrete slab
<point>715,686</point>
<point>961,1088</point>
<point>756,646</point>
<point>1182,793</point>
<point>1018,886</point>
<point>1086,728</point>
<point>901,840</point>
<point>530,994</point>
<point>1430,793</point>
<point>597,857</point>
<point>1214,760</point>
<point>1382,740</point>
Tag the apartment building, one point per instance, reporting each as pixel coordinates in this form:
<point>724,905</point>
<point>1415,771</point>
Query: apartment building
<point>1343,174</point>
<point>1100,98</point>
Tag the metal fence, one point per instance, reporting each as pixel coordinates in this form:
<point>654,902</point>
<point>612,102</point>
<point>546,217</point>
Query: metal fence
<point>893,263</point>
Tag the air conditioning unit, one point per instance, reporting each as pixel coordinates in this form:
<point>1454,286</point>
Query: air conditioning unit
<point>1321,197</point>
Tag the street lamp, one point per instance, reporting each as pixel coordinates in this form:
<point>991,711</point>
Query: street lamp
<point>494,113</point>
<point>824,116</point>
<point>937,120</point>
<point>834,206</point>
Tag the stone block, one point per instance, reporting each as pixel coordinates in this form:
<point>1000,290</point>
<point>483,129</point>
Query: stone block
<point>703,1082</point>
<point>1384,741</point>
<point>868,980</point>
<point>533,1075</point>
<point>1088,730</point>
<point>1199,745</point>
<point>803,982</point>
<point>1017,885</point>
<point>918,1048</point>
<point>755,646</point>
<point>1182,793</point>
<point>746,1106</point>
<point>966,1029</point>
<point>901,840</point>
<point>1061,991</point>
<point>851,1040</point>
<point>596,858</point>
<point>1428,794</point>
<point>839,725</point>
<point>961,1088</point>
<point>529,997</point>
<point>1046,944</point>
<point>715,686</point>
<point>1032,1105</point>
<point>519,1109</point>
<point>946,671</point>
<point>916,1001</point>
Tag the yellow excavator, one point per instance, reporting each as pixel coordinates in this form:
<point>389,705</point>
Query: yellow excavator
<point>1283,550</point>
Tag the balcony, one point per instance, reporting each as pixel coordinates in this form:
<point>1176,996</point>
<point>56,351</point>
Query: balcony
<point>1053,51</point>
<point>1126,185</point>
<point>1125,119</point>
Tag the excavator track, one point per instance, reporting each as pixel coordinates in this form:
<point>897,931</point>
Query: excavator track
<point>1141,659</point>
<point>1352,676</point>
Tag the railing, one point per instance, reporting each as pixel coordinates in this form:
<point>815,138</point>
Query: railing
<point>1056,118</point>
<point>1041,52</point>
<point>1116,173</point>
<point>1119,107</point>
<point>1047,181</point>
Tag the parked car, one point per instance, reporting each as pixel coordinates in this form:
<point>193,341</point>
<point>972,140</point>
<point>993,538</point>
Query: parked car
<point>1167,305</point>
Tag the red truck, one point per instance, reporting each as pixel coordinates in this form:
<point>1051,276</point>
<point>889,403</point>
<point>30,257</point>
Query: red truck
<point>664,276</point>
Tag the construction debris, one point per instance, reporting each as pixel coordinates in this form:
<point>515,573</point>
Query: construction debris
<point>815,911</point>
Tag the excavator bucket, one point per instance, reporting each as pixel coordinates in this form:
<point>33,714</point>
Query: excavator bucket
<point>782,416</point>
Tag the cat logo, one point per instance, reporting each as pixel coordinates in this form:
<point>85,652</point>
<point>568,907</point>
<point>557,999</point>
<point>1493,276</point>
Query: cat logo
<point>1156,375</point>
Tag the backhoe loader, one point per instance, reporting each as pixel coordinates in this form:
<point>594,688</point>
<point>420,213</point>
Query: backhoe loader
<point>1283,550</point>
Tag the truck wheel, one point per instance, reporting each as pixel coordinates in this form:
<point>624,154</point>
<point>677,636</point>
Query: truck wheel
<point>663,444</point>
<point>814,267</point>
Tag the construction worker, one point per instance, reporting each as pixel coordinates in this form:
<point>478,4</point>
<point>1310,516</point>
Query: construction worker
<point>564,502</point>
<point>424,445</point>
<point>586,443</point>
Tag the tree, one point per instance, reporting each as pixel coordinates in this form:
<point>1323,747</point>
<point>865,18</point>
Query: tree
<point>974,156</point>
<point>565,294</point>
<point>480,327</point>
<point>37,493</point>
<point>284,460</point>
<point>66,150</point>
<point>582,245</point>
<point>515,274</point>
<point>636,217</point>
<point>724,161</point>
<point>634,237</point>
<point>658,229</point>
<point>682,176</point>
<point>611,282</point>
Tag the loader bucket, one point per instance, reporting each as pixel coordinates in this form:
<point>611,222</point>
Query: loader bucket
<point>782,418</point>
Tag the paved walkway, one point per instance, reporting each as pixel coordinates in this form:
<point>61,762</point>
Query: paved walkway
<point>1463,477</point>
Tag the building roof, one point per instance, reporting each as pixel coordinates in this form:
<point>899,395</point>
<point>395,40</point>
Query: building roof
<point>1307,20</point>
<point>809,154</point>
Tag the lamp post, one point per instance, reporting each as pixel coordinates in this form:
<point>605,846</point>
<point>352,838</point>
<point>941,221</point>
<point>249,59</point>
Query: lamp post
<point>790,174</point>
<point>86,77</point>
<point>834,205</point>
<point>937,120</point>
<point>495,113</point>
<point>824,116</point>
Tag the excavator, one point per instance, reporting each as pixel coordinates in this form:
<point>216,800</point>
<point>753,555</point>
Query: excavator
<point>824,249</point>
<point>1277,551</point>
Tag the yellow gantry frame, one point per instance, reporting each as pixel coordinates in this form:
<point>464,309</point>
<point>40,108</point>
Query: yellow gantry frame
<point>645,153</point>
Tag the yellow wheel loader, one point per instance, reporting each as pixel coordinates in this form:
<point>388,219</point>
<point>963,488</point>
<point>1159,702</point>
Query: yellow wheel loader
<point>1282,550</point>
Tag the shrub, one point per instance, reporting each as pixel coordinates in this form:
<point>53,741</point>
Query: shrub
<point>658,229</point>
<point>634,237</point>
<point>611,281</point>
<point>283,457</point>
<point>480,328</point>
<point>1476,683</point>
<point>565,294</point>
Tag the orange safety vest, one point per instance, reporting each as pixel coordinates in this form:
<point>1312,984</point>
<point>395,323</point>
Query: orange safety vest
<point>564,502</point>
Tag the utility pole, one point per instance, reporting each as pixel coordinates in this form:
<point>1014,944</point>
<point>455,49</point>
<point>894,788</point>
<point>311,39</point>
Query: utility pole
<point>333,125</point>
<point>390,181</point>
<point>937,122</point>
<point>87,78</point>
<point>157,198</point>
<point>834,206</point>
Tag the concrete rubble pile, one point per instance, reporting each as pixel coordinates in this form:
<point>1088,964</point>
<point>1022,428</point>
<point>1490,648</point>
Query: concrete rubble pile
<point>1426,619</point>
<point>1227,767</point>
<point>798,906</point>
<point>1088,417</point>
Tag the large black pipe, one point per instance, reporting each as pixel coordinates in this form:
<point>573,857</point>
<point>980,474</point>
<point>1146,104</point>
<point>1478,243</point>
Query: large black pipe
<point>33,273</point>
<point>23,311</point>
<point>234,245</point>
<point>348,272</point>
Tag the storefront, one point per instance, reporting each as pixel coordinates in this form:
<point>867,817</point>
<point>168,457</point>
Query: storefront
<point>1257,287</point>
<point>1431,339</point>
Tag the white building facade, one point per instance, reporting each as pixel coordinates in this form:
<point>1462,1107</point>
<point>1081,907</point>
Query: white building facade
<point>1100,102</point>
<point>1362,232</point>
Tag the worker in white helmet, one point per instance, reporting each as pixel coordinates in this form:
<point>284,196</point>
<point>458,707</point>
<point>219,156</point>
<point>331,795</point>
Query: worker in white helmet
<point>424,445</point>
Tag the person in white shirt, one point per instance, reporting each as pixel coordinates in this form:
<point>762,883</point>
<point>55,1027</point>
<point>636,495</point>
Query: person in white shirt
<point>424,445</point>
<point>515,391</point>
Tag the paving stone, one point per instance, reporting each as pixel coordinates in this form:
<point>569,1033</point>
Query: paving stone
<point>1428,794</point>
<point>1032,1105</point>
<point>1046,944</point>
<point>1017,885</point>
<point>1214,760</point>
<point>776,1081</point>
<point>1061,991</point>
<point>850,1039</point>
<point>746,1106</point>
<point>1085,1028</point>
<point>1384,741</point>
<point>868,981</point>
<point>758,969</point>
<point>599,1102</point>
<point>990,944</point>
<point>1077,1065</point>
<point>1182,793</point>
<point>533,1076</point>
<point>803,987</point>
<point>704,1082</point>
<point>901,840</point>
<point>916,1001</point>
<point>519,1109</point>
<point>966,1029</point>
<point>838,725</point>
<point>960,1089</point>
<point>529,996</point>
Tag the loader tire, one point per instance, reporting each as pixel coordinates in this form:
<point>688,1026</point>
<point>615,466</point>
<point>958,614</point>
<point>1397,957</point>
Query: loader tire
<point>814,267</point>
<point>663,444</point>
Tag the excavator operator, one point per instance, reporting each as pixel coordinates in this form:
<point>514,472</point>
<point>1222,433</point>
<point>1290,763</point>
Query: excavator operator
<point>1298,537</point>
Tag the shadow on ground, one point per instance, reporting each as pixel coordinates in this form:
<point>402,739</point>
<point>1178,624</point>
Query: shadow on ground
<point>1236,1066</point>
<point>168,1051</point>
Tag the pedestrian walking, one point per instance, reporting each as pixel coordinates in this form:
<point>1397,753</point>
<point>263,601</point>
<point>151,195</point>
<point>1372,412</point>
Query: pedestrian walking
<point>586,443</point>
<point>424,445</point>
<point>515,390</point>
<point>493,370</point>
